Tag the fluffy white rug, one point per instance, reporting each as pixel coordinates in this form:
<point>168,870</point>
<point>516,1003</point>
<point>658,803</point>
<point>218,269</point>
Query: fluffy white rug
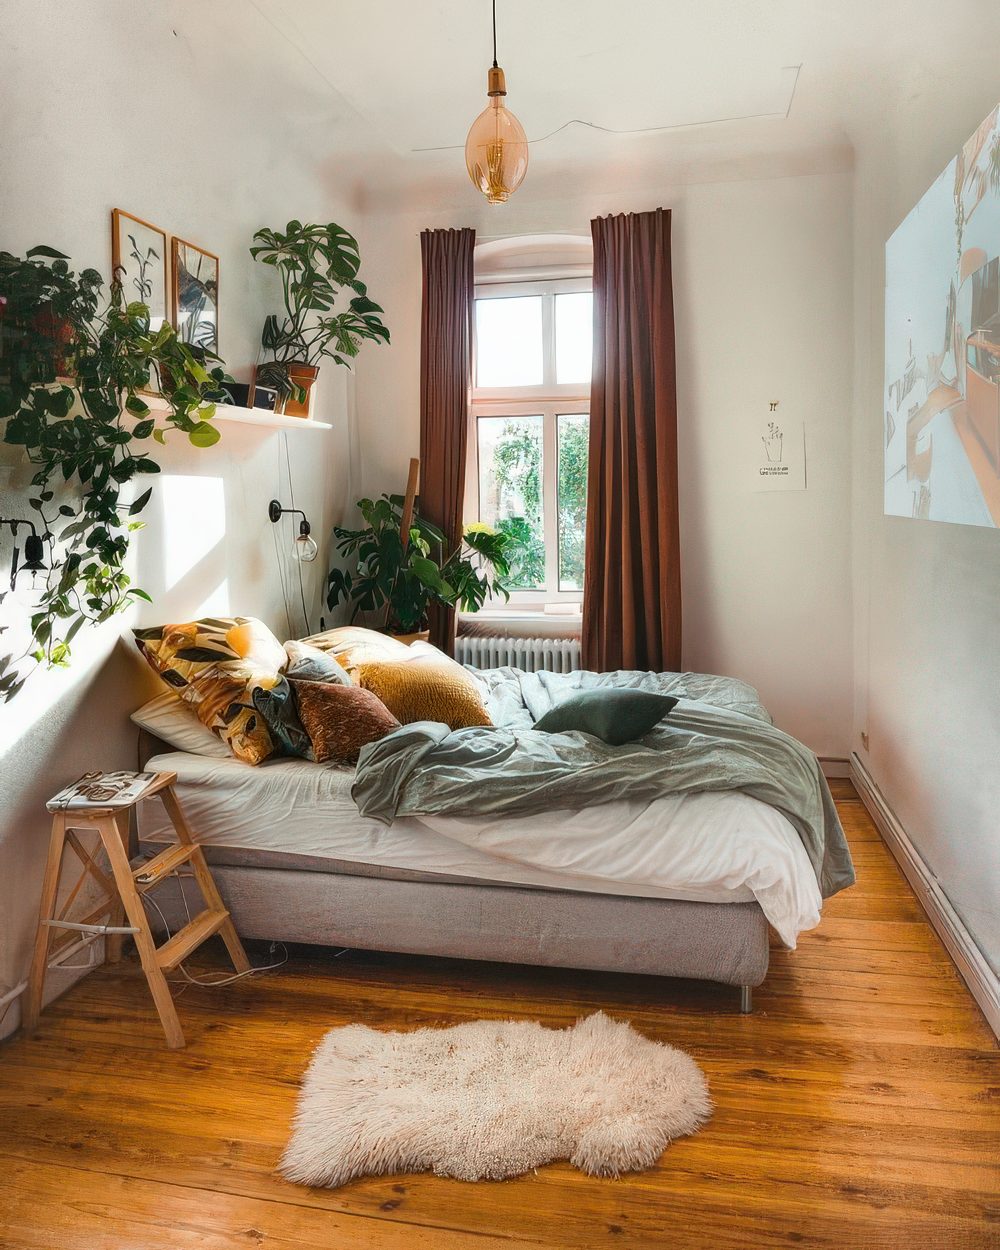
<point>490,1100</point>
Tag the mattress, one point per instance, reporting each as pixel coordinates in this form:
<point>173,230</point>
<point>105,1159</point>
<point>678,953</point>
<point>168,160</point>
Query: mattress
<point>704,847</point>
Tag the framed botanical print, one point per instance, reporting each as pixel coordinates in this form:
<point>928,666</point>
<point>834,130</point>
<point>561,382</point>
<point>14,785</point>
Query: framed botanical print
<point>139,260</point>
<point>195,292</point>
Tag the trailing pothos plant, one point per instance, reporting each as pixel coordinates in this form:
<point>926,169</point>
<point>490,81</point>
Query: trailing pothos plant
<point>394,584</point>
<point>315,264</point>
<point>76,371</point>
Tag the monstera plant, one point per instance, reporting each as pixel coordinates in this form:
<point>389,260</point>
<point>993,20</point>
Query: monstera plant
<point>315,264</point>
<point>76,372</point>
<point>394,582</point>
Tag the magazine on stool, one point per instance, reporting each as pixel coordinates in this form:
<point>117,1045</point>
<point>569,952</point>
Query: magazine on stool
<point>99,791</point>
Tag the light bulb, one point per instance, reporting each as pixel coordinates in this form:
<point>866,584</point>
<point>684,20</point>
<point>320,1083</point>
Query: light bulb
<point>304,548</point>
<point>496,151</point>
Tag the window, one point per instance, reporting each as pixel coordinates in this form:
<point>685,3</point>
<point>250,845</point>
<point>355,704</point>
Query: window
<point>530,428</point>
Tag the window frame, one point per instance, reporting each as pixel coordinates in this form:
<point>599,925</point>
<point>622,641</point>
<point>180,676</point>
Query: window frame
<point>548,399</point>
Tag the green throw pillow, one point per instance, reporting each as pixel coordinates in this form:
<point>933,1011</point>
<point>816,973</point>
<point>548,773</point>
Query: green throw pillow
<point>613,715</point>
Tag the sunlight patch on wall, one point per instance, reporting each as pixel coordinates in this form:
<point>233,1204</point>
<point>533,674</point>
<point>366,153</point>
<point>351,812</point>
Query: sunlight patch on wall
<point>193,525</point>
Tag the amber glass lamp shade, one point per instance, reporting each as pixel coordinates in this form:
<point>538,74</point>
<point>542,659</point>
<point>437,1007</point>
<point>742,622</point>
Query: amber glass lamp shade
<point>496,151</point>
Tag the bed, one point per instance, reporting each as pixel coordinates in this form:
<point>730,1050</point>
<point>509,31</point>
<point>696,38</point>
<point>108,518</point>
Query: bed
<point>677,885</point>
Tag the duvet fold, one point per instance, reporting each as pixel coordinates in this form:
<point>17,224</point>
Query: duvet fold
<point>717,738</point>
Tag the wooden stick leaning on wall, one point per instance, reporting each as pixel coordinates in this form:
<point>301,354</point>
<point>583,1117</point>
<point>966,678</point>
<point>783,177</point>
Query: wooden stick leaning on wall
<point>409,501</point>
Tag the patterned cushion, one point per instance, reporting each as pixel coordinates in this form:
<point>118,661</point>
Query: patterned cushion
<point>340,719</point>
<point>215,665</point>
<point>307,663</point>
<point>352,645</point>
<point>425,686</point>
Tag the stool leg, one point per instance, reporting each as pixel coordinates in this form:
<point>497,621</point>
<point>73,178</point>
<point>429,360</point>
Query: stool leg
<point>46,911</point>
<point>206,882</point>
<point>158,987</point>
<point>114,942</point>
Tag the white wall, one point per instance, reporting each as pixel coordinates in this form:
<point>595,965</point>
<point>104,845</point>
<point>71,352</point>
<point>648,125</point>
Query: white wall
<point>125,109</point>
<point>762,289</point>
<point>927,594</point>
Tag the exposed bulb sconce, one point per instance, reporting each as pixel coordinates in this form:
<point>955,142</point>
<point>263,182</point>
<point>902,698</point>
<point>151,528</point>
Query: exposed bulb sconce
<point>34,550</point>
<point>304,547</point>
<point>496,151</point>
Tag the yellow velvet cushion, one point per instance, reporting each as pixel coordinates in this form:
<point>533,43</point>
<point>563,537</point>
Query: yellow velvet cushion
<point>426,685</point>
<point>215,665</point>
<point>351,645</point>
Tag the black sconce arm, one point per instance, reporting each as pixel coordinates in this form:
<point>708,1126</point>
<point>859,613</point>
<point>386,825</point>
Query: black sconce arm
<point>275,511</point>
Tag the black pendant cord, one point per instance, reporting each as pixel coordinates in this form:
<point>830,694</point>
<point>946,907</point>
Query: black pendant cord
<point>495,34</point>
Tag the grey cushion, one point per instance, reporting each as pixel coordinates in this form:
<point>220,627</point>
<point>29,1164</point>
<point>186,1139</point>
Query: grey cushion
<point>614,715</point>
<point>308,663</point>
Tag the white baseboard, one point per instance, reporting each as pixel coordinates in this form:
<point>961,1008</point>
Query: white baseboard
<point>959,942</point>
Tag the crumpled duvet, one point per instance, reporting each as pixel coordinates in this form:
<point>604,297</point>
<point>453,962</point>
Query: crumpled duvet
<point>718,737</point>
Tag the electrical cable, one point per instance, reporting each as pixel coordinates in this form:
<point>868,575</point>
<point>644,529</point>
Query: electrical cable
<point>298,563</point>
<point>783,114</point>
<point>226,980</point>
<point>279,559</point>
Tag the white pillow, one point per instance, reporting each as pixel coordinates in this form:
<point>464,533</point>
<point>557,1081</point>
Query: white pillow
<point>170,718</point>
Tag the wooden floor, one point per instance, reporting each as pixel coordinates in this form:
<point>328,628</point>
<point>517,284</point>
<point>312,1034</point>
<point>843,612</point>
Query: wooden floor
<point>856,1108</point>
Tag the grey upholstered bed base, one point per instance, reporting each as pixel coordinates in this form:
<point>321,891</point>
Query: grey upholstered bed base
<point>725,942</point>
<point>387,909</point>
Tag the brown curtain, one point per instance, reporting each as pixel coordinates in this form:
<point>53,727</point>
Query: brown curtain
<point>445,389</point>
<point>632,585</point>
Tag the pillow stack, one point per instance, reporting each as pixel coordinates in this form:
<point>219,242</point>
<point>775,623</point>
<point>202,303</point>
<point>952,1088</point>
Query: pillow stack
<point>320,699</point>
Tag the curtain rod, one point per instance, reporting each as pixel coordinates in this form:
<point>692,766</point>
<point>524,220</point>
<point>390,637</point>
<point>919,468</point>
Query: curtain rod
<point>503,238</point>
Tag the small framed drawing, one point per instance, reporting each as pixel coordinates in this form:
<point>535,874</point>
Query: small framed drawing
<point>195,293</point>
<point>139,260</point>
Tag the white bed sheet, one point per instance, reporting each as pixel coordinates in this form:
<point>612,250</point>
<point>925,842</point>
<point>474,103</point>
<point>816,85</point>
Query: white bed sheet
<point>710,847</point>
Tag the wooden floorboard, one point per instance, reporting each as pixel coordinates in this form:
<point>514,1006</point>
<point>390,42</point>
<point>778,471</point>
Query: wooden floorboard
<point>858,1108</point>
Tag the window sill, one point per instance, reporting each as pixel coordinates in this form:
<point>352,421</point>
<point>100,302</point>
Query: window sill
<point>520,623</point>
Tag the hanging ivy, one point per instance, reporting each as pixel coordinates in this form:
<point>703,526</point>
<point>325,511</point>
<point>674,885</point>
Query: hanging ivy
<point>75,381</point>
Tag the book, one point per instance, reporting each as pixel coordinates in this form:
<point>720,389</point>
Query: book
<point>98,791</point>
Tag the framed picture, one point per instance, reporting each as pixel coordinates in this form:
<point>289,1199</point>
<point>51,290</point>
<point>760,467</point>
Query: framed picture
<point>195,292</point>
<point>139,258</point>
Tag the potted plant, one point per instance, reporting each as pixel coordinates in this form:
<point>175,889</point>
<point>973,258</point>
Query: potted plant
<point>74,380</point>
<point>315,263</point>
<point>395,582</point>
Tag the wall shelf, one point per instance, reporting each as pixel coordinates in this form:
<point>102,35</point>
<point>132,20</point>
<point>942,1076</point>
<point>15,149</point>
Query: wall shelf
<point>247,416</point>
<point>264,416</point>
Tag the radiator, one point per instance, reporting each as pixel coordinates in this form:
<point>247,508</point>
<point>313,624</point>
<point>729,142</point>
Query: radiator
<point>557,655</point>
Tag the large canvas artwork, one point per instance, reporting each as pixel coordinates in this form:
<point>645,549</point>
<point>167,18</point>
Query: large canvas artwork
<point>942,344</point>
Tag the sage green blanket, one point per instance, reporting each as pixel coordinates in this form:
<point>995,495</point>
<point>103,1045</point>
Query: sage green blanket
<point>718,737</point>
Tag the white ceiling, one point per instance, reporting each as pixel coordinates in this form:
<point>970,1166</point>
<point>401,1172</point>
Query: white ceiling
<point>696,84</point>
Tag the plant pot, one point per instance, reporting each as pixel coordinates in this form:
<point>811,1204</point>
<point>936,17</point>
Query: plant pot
<point>60,330</point>
<point>304,376</point>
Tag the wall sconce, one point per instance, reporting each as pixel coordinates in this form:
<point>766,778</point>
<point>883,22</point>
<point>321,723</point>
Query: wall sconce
<point>304,548</point>
<point>34,549</point>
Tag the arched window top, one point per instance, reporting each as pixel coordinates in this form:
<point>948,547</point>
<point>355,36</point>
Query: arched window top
<point>534,257</point>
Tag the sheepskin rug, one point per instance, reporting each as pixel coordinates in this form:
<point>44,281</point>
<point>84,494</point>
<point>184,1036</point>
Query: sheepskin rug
<point>491,1099</point>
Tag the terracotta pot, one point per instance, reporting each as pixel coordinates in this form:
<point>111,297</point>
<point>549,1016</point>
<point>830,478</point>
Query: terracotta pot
<point>61,331</point>
<point>304,376</point>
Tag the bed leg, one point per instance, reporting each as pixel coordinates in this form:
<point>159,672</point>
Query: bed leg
<point>746,999</point>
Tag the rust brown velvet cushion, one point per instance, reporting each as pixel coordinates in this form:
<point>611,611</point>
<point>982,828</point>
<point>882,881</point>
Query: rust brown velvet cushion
<point>340,720</point>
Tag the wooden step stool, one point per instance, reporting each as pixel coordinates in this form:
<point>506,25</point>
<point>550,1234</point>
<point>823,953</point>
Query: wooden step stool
<point>123,899</point>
